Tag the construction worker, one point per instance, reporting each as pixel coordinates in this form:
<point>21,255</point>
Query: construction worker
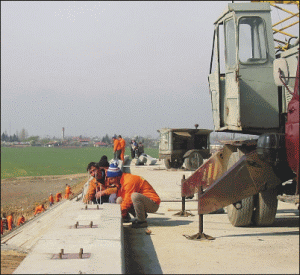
<point>21,220</point>
<point>68,191</point>
<point>117,148</point>
<point>39,209</point>
<point>10,222</point>
<point>98,185</point>
<point>1,230</point>
<point>122,145</point>
<point>51,199</point>
<point>135,195</point>
<point>58,197</point>
<point>133,148</point>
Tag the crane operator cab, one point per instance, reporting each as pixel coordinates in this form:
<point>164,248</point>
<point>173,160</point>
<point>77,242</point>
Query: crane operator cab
<point>243,93</point>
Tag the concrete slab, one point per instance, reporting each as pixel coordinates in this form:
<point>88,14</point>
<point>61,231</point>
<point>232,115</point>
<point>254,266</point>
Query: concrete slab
<point>105,258</point>
<point>104,241</point>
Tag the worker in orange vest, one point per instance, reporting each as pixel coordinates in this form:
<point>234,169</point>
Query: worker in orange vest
<point>39,209</point>
<point>1,227</point>
<point>122,144</point>
<point>58,197</point>
<point>117,148</point>
<point>51,199</point>
<point>10,222</point>
<point>68,191</point>
<point>21,220</point>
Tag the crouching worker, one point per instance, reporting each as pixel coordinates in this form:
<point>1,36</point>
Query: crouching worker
<point>21,220</point>
<point>39,209</point>
<point>98,190</point>
<point>135,195</point>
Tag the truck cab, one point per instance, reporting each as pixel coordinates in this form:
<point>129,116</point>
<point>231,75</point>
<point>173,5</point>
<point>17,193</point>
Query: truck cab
<point>244,96</point>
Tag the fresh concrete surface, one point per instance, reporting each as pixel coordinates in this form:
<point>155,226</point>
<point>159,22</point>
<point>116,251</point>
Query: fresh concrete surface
<point>236,250</point>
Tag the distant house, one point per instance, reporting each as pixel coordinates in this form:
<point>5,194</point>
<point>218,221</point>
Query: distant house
<point>84,142</point>
<point>100,144</point>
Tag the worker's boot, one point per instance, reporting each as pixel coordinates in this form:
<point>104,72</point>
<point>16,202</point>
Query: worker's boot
<point>139,224</point>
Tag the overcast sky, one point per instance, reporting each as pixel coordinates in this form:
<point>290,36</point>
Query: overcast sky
<point>99,68</point>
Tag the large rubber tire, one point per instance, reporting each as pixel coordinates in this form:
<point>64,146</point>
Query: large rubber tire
<point>243,216</point>
<point>167,163</point>
<point>193,161</point>
<point>266,207</point>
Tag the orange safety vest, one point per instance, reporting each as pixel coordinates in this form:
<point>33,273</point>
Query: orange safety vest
<point>130,184</point>
<point>57,197</point>
<point>117,145</point>
<point>51,199</point>
<point>21,220</point>
<point>39,209</point>
<point>9,222</point>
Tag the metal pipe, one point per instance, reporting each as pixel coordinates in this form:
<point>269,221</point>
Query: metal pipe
<point>200,215</point>
<point>183,198</point>
<point>176,200</point>
<point>80,253</point>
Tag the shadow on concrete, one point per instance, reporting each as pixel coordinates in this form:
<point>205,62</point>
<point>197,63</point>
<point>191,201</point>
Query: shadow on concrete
<point>140,255</point>
<point>287,233</point>
<point>286,222</point>
<point>152,222</point>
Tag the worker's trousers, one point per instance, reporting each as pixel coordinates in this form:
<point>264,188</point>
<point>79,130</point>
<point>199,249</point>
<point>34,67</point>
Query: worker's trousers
<point>142,205</point>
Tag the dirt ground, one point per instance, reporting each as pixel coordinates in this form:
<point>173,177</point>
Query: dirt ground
<point>21,196</point>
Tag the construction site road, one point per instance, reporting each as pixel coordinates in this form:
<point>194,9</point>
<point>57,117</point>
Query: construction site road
<point>235,250</point>
<point>163,248</point>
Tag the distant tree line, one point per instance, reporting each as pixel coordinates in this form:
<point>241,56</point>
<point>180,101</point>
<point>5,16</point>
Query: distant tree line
<point>7,138</point>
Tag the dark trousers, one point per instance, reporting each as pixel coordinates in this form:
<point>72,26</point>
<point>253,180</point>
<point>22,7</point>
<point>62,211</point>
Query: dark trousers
<point>117,154</point>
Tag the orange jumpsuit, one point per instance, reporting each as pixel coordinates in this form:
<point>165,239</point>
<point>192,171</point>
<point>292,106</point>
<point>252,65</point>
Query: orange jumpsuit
<point>94,187</point>
<point>39,209</point>
<point>117,149</point>
<point>9,222</point>
<point>58,197</point>
<point>51,199</point>
<point>1,227</point>
<point>130,184</point>
<point>116,145</point>
<point>122,144</point>
<point>68,192</point>
<point>21,220</point>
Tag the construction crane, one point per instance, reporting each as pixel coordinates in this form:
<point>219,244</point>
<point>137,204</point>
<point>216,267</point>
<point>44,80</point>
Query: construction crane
<point>284,45</point>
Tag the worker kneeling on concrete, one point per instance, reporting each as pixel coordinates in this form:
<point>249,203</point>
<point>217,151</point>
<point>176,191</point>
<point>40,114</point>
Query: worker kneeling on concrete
<point>99,191</point>
<point>135,195</point>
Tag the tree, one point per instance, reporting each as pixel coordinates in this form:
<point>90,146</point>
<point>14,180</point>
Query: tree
<point>23,134</point>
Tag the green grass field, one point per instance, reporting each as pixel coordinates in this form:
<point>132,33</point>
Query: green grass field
<point>43,161</point>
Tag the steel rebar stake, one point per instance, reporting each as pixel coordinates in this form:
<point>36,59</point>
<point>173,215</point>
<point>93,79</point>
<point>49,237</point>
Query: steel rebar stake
<point>183,212</point>
<point>80,253</point>
<point>200,236</point>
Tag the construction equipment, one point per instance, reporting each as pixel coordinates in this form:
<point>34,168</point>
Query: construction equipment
<point>184,146</point>
<point>253,91</point>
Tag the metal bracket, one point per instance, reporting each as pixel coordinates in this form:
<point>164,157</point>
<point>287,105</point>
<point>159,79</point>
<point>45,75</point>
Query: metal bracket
<point>66,256</point>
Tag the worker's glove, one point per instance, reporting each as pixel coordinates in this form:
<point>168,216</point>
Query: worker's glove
<point>100,194</point>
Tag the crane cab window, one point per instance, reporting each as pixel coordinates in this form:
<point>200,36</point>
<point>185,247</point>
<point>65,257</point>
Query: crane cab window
<point>252,40</point>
